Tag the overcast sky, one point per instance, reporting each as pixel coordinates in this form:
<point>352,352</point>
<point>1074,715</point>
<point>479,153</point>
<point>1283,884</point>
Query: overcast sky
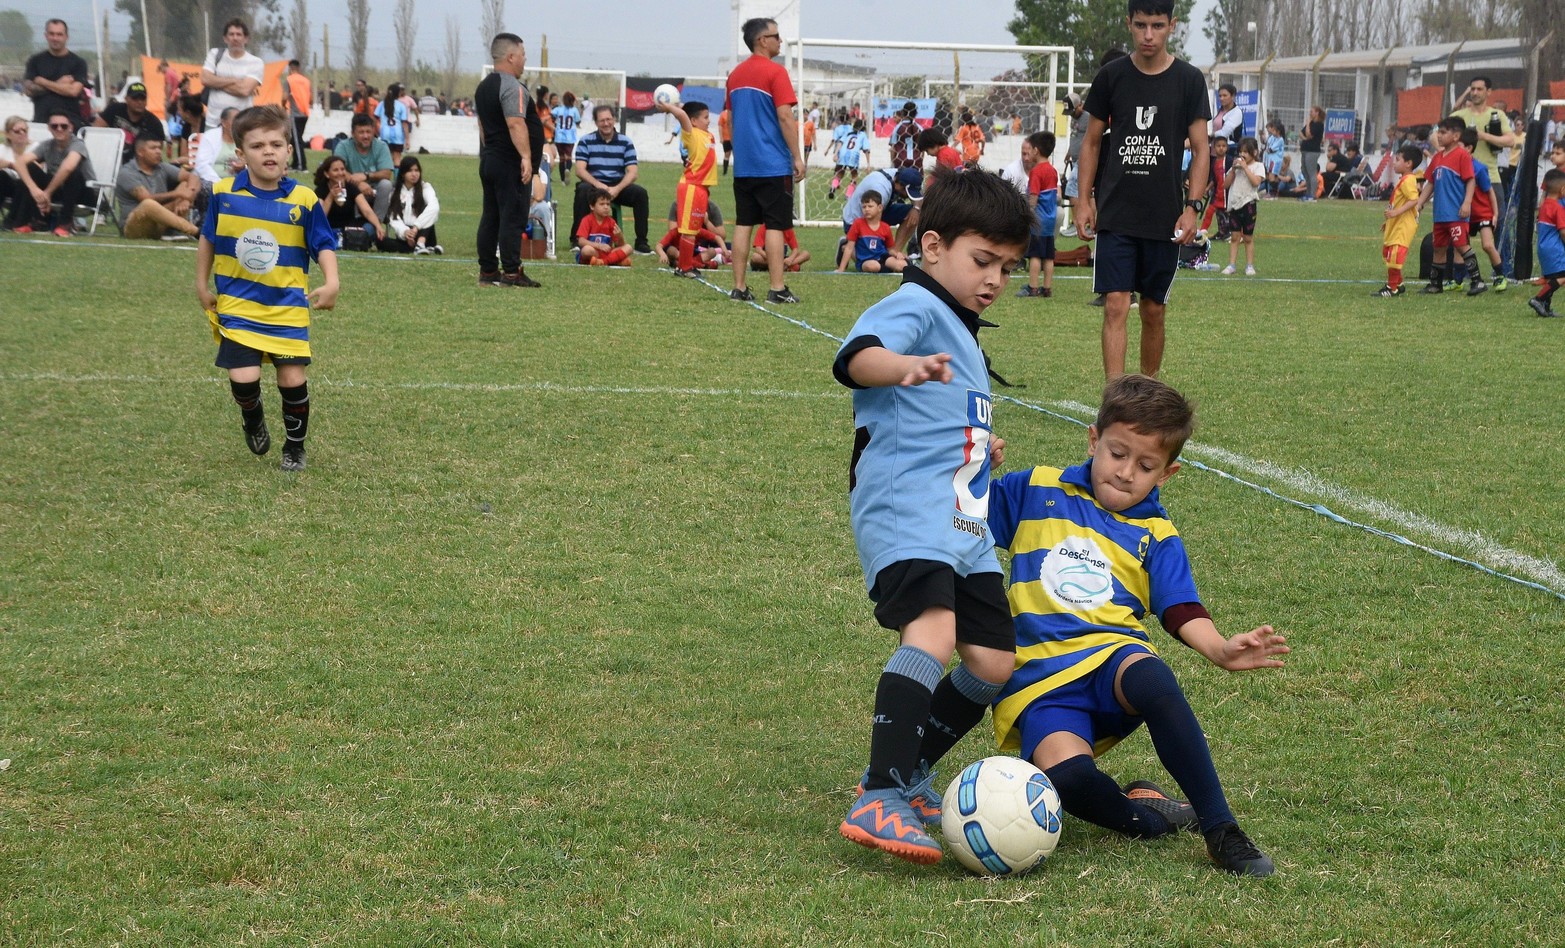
<point>580,36</point>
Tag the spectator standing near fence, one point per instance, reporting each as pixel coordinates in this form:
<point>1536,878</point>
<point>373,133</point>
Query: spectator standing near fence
<point>1494,133</point>
<point>54,78</point>
<point>232,75</point>
<point>1310,137</point>
<point>298,86</point>
<point>1149,103</point>
<point>510,140</point>
<point>768,161</point>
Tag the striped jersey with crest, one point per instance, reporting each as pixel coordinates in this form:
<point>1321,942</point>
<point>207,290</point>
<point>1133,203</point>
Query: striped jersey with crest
<point>263,243</point>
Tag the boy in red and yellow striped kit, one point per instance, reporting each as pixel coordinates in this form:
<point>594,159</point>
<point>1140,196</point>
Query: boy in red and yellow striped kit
<point>700,174</point>
<point>1401,219</point>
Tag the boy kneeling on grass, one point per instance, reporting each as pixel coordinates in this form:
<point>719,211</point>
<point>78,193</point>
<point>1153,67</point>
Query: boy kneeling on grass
<point>599,240</point>
<point>1092,550</point>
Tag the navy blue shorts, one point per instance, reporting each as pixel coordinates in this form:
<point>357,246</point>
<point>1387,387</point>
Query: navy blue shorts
<point>237,355</point>
<point>1040,247</point>
<point>1145,265</point>
<point>1085,707</point>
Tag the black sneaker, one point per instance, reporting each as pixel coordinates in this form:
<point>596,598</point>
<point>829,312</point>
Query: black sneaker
<point>1477,287</point>
<point>643,248</point>
<point>783,295</point>
<point>1387,291</point>
<point>293,456</point>
<point>258,438</point>
<point>688,274</point>
<point>1432,288</point>
<point>742,296</point>
<point>1233,852</point>
<point>518,280</point>
<point>488,277</point>
<point>1179,814</point>
<point>1541,308</point>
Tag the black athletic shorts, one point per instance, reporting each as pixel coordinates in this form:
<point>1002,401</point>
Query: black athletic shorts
<point>1242,220</point>
<point>1040,247</point>
<point>766,201</point>
<point>906,588</point>
<point>237,355</point>
<point>1125,264</point>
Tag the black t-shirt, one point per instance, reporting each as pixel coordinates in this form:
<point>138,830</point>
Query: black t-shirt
<point>46,65</point>
<point>117,115</point>
<point>1140,192</point>
<point>1309,139</point>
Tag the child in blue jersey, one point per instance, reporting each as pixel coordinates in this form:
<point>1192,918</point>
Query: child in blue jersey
<point>850,155</point>
<point>260,232</point>
<point>918,492</point>
<point>1551,246</point>
<point>1092,552</point>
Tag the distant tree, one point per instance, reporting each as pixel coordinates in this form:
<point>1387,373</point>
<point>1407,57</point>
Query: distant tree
<point>299,31</point>
<point>1091,26</point>
<point>16,36</point>
<point>407,31</point>
<point>358,36</point>
<point>451,63</point>
<point>493,21</point>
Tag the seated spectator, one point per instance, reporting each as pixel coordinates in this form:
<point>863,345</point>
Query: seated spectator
<point>712,251</point>
<point>599,240</point>
<point>606,161</point>
<point>1338,163</point>
<point>714,218</point>
<point>901,191</point>
<point>412,213</point>
<point>131,116</point>
<point>56,175</point>
<point>12,149</point>
<point>369,162</point>
<point>347,208</point>
<point>794,256</point>
<point>1289,182</point>
<point>1357,173</point>
<point>216,157</point>
<point>869,242</point>
<point>155,196</point>
<point>541,210</point>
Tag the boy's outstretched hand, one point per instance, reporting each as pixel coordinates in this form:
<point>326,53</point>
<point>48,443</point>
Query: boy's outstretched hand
<point>1256,648</point>
<point>930,368</point>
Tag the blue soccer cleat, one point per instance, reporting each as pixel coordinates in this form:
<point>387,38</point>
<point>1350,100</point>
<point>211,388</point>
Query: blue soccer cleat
<point>920,793</point>
<point>882,819</point>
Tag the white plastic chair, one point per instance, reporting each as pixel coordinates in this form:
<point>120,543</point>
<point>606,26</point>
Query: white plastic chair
<point>105,149</point>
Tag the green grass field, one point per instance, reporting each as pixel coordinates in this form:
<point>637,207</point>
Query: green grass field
<point>561,639</point>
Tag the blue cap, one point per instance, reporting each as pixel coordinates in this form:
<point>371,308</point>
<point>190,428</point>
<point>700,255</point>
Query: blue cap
<point>913,180</point>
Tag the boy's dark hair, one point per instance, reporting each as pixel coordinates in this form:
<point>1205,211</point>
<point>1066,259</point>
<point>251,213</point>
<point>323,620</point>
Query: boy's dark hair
<point>752,30</point>
<point>146,137</point>
<point>1412,154</point>
<point>1469,138</point>
<point>871,197</point>
<point>600,194</point>
<point>696,109</point>
<point>1043,142</point>
<point>1150,8</point>
<point>1452,124</point>
<point>569,99</point>
<point>359,118</point>
<point>236,21</point>
<point>1151,408</point>
<point>267,118</point>
<point>1220,140</point>
<point>930,139</point>
<point>294,64</point>
<point>1553,179</point>
<point>975,202</point>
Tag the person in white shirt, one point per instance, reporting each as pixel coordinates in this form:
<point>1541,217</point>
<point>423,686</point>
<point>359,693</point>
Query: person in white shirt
<point>216,158</point>
<point>412,214</point>
<point>1229,121</point>
<point>232,76</point>
<point>11,150</point>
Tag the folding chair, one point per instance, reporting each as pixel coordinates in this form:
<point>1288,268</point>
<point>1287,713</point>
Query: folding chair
<point>105,148</point>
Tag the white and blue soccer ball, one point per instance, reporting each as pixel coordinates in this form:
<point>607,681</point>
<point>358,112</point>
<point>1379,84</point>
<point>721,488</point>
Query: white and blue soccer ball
<point>665,94</point>
<point>1001,817</point>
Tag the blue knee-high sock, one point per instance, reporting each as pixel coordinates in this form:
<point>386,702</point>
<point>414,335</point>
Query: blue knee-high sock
<point>1089,794</point>
<point>1150,688</point>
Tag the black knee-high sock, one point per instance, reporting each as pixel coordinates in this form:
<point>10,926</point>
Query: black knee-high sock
<point>1088,793</point>
<point>958,704</point>
<point>1150,688</point>
<point>296,410</point>
<point>901,709</point>
<point>248,397</point>
<point>1470,259</point>
<point>1547,294</point>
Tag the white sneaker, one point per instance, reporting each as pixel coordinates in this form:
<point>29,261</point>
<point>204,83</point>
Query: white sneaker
<point>1069,230</point>
<point>420,250</point>
<point>1229,270</point>
<point>1249,271</point>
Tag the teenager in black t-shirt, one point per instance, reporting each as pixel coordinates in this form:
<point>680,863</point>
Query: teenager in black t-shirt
<point>1149,104</point>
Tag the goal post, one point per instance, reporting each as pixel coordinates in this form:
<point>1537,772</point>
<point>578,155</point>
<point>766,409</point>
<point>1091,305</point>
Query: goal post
<point>1011,91</point>
<point>1524,194</point>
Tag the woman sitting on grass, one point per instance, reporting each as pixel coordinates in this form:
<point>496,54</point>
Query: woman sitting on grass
<point>345,211</point>
<point>412,212</point>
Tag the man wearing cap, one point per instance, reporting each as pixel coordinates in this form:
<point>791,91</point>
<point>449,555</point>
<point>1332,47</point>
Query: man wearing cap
<point>132,116</point>
<point>901,192</point>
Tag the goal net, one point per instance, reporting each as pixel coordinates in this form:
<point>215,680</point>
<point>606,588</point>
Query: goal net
<point>598,86</point>
<point>1009,91</point>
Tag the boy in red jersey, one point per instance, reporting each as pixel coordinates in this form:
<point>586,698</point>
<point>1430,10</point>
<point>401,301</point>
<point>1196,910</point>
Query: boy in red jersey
<point>599,240</point>
<point>869,242</point>
<point>1551,249</point>
<point>695,121</point>
<point>794,256</point>
<point>1449,182</point>
<point>1482,221</point>
<point>932,141</point>
<point>711,249</point>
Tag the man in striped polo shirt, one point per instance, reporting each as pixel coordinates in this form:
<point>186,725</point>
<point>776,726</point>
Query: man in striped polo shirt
<point>607,160</point>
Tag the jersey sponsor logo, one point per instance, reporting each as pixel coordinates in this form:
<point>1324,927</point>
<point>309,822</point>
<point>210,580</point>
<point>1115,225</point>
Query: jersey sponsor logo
<point>257,251</point>
<point>971,482</point>
<point>1076,574</point>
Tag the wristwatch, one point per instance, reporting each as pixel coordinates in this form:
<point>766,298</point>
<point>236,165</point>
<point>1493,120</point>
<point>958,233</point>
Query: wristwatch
<point>1196,204</point>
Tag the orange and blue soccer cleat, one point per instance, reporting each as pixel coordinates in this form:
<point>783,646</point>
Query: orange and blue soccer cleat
<point>920,793</point>
<point>1179,814</point>
<point>882,819</point>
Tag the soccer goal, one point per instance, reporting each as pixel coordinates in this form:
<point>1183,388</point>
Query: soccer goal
<point>1010,92</point>
<point>1523,198</point>
<point>599,86</point>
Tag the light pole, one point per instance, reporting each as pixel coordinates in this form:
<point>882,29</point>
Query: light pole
<point>1250,28</point>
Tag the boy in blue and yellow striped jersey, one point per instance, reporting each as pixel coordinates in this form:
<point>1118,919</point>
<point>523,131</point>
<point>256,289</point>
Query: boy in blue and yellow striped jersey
<point>260,233</point>
<point>1092,551</point>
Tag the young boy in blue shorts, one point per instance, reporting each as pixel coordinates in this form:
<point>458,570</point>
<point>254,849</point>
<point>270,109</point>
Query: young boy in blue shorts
<point>918,491</point>
<point>260,232</point>
<point>1092,551</point>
